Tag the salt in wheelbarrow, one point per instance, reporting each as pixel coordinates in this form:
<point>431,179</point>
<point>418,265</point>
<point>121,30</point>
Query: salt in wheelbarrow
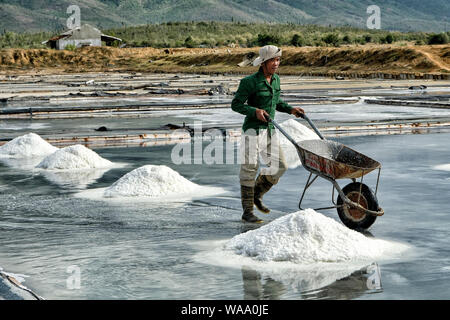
<point>356,204</point>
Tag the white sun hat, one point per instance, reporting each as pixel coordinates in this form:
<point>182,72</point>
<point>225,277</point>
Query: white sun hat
<point>266,53</point>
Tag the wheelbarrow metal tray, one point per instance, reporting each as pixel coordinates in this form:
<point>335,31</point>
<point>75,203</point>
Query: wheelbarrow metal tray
<point>334,160</point>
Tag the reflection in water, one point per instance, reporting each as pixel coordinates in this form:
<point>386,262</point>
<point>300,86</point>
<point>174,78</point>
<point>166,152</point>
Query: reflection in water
<point>363,281</point>
<point>360,282</point>
<point>255,290</point>
<point>21,163</point>
<point>78,178</point>
<point>73,178</point>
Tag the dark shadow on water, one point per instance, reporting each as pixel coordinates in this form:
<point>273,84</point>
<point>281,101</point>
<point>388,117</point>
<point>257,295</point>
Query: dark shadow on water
<point>365,232</point>
<point>254,289</point>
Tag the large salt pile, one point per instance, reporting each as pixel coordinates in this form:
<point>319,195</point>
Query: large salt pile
<point>299,133</point>
<point>306,237</point>
<point>74,157</point>
<point>151,181</point>
<point>27,146</point>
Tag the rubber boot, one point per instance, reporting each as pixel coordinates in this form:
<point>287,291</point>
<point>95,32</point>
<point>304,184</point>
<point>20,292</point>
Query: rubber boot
<point>247,196</point>
<point>261,187</point>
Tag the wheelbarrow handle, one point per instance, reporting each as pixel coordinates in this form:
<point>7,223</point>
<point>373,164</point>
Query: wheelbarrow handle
<point>304,116</point>
<point>313,126</point>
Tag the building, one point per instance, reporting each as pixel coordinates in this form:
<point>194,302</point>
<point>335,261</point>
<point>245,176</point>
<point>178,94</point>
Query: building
<point>83,36</point>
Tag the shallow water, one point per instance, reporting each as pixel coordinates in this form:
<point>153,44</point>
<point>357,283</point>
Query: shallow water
<point>323,115</point>
<point>162,250</point>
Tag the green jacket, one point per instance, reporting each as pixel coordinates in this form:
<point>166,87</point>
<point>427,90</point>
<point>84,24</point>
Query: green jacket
<point>259,94</point>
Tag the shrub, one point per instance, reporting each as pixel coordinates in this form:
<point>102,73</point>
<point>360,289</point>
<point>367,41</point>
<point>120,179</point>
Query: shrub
<point>189,42</point>
<point>265,39</point>
<point>439,38</point>
<point>346,39</point>
<point>116,44</point>
<point>70,47</point>
<point>331,38</point>
<point>367,38</point>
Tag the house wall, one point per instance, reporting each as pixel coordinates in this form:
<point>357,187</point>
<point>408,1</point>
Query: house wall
<point>62,43</point>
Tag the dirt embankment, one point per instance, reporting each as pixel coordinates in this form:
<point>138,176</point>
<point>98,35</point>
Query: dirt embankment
<point>379,60</point>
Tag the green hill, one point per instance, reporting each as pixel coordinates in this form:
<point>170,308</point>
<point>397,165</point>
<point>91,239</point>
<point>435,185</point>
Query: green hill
<point>48,15</point>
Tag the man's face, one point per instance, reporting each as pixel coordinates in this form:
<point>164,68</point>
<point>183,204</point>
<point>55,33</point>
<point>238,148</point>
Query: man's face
<point>272,65</point>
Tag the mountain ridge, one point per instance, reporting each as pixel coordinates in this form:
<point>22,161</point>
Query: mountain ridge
<point>47,15</point>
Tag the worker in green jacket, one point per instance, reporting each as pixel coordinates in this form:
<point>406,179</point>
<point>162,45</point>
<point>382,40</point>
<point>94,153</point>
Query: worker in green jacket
<point>257,97</point>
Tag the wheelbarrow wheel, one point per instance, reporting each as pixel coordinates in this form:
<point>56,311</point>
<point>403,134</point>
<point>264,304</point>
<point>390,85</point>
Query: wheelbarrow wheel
<point>354,218</point>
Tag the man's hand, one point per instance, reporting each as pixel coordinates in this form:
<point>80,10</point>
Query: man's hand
<point>262,115</point>
<point>298,112</point>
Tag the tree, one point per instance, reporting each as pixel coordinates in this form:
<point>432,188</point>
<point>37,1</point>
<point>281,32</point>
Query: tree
<point>297,40</point>
<point>389,38</point>
<point>265,39</point>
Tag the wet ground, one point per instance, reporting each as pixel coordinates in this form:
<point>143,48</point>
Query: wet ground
<point>151,250</point>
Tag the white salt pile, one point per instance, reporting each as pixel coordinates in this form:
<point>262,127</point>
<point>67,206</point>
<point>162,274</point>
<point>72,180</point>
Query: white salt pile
<point>443,167</point>
<point>74,157</point>
<point>151,181</point>
<point>27,146</point>
<point>304,250</point>
<point>306,237</point>
<point>299,133</point>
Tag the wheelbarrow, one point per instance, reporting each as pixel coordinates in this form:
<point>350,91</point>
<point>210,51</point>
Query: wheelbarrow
<point>356,203</point>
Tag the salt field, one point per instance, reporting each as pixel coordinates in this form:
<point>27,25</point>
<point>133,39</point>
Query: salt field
<point>124,220</point>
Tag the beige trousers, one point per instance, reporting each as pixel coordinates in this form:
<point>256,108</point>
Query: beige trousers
<point>265,146</point>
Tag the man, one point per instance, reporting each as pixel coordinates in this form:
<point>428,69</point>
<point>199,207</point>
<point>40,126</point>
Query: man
<point>257,97</point>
